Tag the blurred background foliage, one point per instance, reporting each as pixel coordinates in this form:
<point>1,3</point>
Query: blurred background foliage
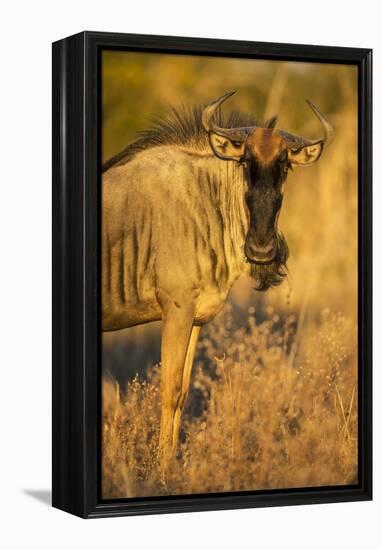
<point>137,86</point>
<point>319,220</point>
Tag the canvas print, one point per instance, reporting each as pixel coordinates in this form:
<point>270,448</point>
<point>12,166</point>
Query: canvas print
<point>229,275</point>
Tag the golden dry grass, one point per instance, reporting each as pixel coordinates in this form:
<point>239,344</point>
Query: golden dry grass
<point>265,415</point>
<point>273,398</point>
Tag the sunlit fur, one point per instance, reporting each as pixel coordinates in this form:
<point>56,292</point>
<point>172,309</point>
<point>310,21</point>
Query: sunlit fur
<point>183,127</point>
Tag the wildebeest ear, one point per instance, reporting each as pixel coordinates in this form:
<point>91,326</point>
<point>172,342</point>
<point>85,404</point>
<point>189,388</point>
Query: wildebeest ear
<point>307,154</point>
<point>225,148</point>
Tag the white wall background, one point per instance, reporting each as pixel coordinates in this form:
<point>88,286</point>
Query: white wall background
<point>27,29</point>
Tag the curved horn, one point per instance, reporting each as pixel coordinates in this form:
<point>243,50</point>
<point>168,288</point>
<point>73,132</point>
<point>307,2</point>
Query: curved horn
<point>209,111</point>
<point>234,134</point>
<point>295,142</point>
<point>327,128</point>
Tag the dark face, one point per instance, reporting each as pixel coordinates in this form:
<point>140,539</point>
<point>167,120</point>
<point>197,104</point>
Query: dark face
<point>264,200</point>
<point>266,165</point>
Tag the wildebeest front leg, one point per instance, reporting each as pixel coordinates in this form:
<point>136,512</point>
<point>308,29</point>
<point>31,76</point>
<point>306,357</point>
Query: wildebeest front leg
<point>187,372</point>
<point>176,332</point>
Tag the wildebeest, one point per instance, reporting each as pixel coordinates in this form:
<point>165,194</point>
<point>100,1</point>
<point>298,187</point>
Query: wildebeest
<point>186,209</point>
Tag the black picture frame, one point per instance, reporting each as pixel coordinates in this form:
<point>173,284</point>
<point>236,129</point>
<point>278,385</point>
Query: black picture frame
<point>76,261</point>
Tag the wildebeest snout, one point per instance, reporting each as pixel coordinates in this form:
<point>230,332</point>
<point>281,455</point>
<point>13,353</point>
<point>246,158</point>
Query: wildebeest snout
<point>260,252</point>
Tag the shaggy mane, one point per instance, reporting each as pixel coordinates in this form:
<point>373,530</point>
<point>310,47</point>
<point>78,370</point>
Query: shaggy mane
<point>178,127</point>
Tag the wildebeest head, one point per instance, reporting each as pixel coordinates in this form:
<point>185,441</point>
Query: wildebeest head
<point>266,154</point>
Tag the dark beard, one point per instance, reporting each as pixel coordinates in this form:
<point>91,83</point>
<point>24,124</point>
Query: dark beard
<point>272,274</point>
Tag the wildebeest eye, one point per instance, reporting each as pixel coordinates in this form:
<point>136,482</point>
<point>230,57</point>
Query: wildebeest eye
<point>243,161</point>
<point>286,166</point>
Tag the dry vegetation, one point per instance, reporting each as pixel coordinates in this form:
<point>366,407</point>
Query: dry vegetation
<point>261,416</point>
<point>273,399</point>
